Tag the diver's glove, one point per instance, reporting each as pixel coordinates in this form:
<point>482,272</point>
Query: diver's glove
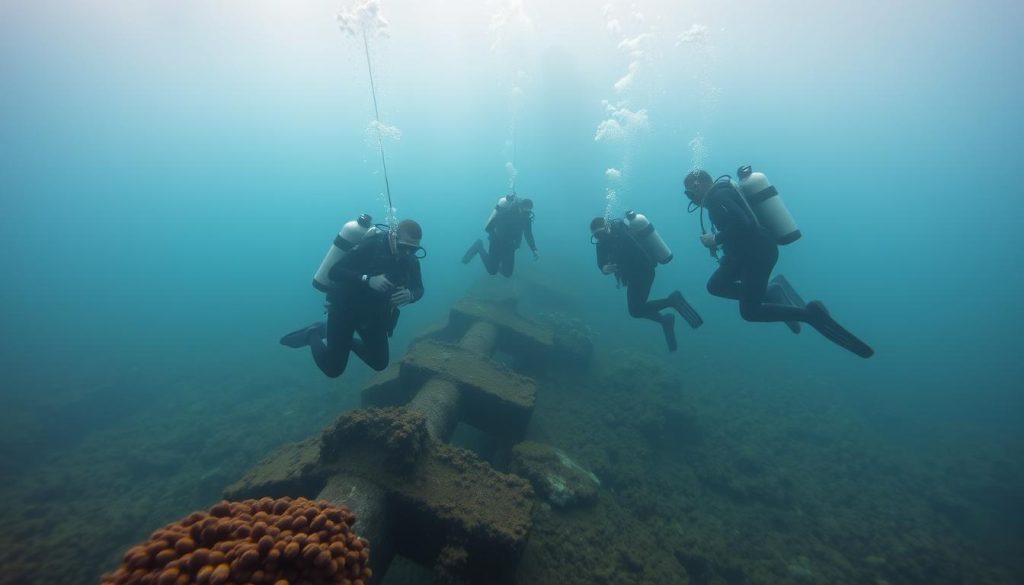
<point>609,268</point>
<point>400,297</point>
<point>379,283</point>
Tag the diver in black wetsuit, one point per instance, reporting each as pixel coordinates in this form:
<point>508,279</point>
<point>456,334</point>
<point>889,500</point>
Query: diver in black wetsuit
<point>750,254</point>
<point>379,275</point>
<point>511,221</point>
<point>619,253</point>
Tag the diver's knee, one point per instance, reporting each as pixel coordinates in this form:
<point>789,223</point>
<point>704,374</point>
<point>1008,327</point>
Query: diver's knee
<point>748,311</point>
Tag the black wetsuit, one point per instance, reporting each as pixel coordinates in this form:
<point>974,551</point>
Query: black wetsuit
<point>506,231</point>
<point>354,307</point>
<point>750,254</point>
<point>635,270</point>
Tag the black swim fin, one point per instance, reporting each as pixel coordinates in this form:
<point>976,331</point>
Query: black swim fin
<point>300,337</point>
<point>792,297</point>
<point>668,326</point>
<point>821,320</point>
<point>685,310</point>
<point>472,252</point>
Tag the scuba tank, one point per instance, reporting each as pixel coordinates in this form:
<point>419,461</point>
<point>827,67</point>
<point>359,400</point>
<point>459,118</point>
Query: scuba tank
<point>644,233</point>
<point>351,234</point>
<point>504,204</point>
<point>767,206</point>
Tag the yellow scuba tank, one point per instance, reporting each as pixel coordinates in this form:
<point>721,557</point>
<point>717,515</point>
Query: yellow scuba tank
<point>644,232</point>
<point>767,206</point>
<point>351,234</point>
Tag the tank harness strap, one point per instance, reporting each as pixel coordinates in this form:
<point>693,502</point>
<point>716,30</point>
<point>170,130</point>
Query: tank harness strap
<point>342,243</point>
<point>764,195</point>
<point>643,248</point>
<point>739,193</point>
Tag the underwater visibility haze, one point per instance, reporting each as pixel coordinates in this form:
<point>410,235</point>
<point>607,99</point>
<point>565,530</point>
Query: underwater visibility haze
<point>171,174</point>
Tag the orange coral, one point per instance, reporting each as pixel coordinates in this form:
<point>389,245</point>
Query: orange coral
<point>264,541</point>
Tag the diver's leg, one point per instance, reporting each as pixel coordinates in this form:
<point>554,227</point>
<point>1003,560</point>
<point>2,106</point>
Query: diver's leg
<point>637,291</point>
<point>489,257</point>
<point>508,261</point>
<point>332,358</point>
<point>372,347</point>
<point>753,304</point>
<point>724,282</point>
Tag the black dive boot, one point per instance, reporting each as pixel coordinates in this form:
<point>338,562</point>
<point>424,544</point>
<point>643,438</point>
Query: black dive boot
<point>300,337</point>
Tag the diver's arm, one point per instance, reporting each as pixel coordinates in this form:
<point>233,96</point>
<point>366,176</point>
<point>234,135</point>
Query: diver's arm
<point>602,256</point>
<point>729,219</point>
<point>528,233</point>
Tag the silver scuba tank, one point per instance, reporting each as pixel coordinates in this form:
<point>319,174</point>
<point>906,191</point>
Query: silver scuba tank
<point>351,234</point>
<point>768,207</point>
<point>644,232</point>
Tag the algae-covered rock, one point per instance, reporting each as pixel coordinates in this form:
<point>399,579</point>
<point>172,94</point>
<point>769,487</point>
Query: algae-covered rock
<point>554,475</point>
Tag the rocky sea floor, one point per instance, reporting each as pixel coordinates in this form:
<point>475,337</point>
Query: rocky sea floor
<point>740,480</point>
<point>703,479</point>
<point>158,448</point>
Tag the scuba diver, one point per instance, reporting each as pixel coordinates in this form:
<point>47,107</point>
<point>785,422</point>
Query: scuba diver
<point>367,274</point>
<point>631,250</point>
<point>751,222</point>
<point>511,220</point>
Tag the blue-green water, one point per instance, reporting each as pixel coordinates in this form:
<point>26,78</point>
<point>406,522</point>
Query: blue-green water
<point>172,172</point>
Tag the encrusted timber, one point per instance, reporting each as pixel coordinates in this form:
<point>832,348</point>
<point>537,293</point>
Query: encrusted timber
<point>491,397</point>
<point>534,346</point>
<point>433,494</point>
<point>292,470</point>
<point>518,336</point>
<point>411,496</point>
<point>485,512</point>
